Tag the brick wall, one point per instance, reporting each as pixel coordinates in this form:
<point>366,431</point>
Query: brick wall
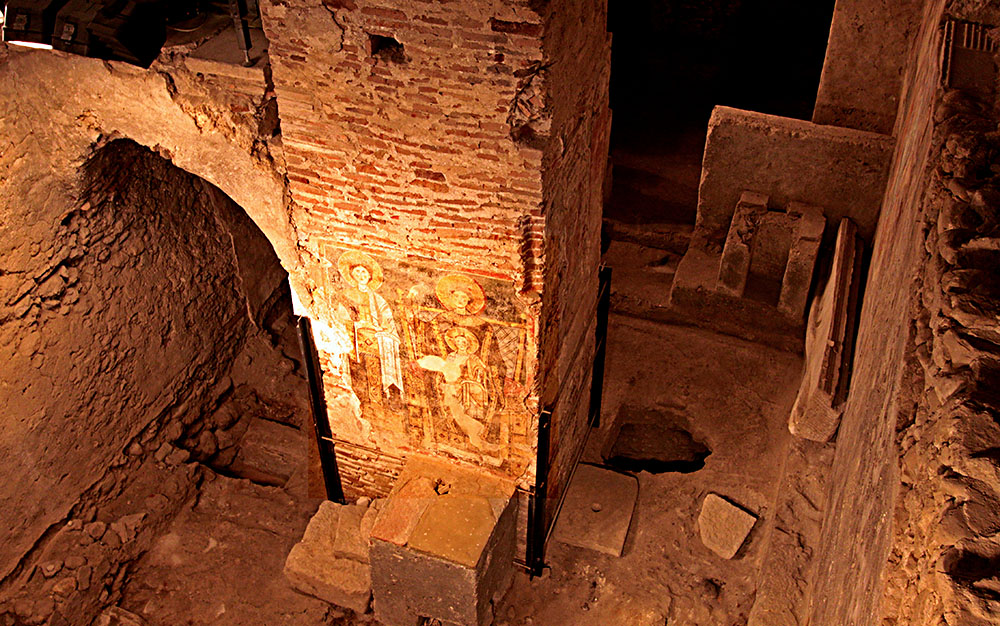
<point>409,153</point>
<point>578,49</point>
<point>447,143</point>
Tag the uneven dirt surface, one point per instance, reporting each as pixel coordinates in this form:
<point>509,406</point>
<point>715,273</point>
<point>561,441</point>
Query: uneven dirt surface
<point>735,397</point>
<point>221,561</point>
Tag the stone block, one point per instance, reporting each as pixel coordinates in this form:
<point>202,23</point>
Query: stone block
<point>403,509</point>
<point>442,546</point>
<point>808,235</point>
<point>339,581</point>
<point>959,351</point>
<point>597,510</point>
<point>829,343</point>
<point>840,169</point>
<point>734,266</point>
<point>724,526</point>
<point>757,288</point>
<point>348,540</point>
<point>331,561</point>
<point>269,452</point>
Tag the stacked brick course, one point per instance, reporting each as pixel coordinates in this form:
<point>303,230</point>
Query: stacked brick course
<point>413,154</point>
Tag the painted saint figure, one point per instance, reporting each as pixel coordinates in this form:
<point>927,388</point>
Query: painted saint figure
<point>468,389</point>
<point>371,325</point>
<point>463,300</point>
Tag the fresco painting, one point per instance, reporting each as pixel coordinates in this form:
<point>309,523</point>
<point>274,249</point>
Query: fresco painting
<point>433,360</point>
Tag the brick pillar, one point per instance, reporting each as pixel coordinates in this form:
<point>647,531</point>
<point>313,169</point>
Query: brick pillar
<point>438,155</point>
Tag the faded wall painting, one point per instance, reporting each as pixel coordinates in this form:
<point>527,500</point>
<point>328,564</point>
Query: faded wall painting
<point>429,360</point>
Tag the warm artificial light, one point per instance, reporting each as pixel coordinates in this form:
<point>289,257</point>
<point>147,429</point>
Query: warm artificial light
<point>31,44</point>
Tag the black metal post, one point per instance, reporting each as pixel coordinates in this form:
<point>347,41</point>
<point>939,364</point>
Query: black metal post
<point>324,437</point>
<point>238,11</point>
<point>537,526</point>
<point>597,379</point>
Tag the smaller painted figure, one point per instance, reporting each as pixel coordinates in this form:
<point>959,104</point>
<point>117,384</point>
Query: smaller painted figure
<point>468,388</point>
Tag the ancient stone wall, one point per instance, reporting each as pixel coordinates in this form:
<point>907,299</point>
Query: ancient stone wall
<point>944,559</point>
<point>210,126</point>
<point>866,57</point>
<point>857,528</point>
<point>118,333</point>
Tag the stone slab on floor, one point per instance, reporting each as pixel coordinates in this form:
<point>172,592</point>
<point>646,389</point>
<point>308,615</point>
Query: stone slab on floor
<point>723,525</point>
<point>117,616</point>
<point>331,561</point>
<point>597,511</point>
<point>269,453</point>
<point>442,547</point>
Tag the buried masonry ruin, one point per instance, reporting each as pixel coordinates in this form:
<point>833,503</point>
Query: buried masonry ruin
<point>318,292</point>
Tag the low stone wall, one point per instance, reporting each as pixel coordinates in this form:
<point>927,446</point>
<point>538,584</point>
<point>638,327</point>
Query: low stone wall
<point>839,169</point>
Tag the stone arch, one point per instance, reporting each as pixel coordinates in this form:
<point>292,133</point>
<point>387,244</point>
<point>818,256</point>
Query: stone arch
<point>103,99</point>
<point>56,111</point>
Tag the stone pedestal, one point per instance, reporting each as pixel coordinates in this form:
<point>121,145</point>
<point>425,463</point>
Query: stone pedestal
<point>443,546</point>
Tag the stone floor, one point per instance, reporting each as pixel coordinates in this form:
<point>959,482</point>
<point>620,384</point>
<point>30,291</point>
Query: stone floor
<point>736,397</point>
<point>221,562</point>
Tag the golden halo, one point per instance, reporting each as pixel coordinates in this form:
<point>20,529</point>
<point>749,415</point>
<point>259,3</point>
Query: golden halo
<point>352,259</point>
<point>457,283</point>
<point>455,331</point>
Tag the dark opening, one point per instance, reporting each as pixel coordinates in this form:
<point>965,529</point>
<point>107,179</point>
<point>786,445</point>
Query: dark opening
<point>672,62</point>
<point>387,48</point>
<point>656,442</point>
